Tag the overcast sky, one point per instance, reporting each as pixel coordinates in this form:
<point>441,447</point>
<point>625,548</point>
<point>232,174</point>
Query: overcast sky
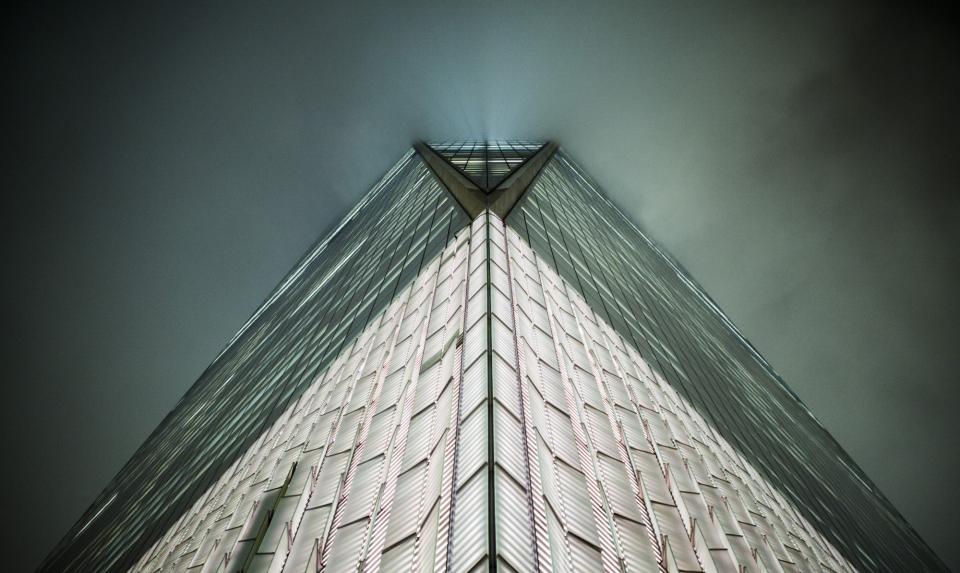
<point>165,166</point>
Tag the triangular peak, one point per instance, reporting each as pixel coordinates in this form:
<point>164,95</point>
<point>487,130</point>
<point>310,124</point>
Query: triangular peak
<point>486,163</point>
<point>486,174</point>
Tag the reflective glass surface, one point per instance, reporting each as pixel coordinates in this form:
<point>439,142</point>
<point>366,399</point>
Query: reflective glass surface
<point>556,393</point>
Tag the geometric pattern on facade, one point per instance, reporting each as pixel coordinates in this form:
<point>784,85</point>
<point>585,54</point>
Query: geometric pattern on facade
<point>384,463</point>
<point>318,470</point>
<point>540,389</point>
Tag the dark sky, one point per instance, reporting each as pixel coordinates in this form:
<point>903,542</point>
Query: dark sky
<point>165,166</point>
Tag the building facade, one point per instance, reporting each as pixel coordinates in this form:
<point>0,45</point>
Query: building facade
<point>486,365</point>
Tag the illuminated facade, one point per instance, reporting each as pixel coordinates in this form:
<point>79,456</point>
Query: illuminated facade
<point>486,366</point>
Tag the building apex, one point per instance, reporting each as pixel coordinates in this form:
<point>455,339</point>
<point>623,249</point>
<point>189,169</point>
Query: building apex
<point>486,174</point>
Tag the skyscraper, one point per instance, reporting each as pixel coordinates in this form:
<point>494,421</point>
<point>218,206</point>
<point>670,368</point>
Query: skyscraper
<point>487,365</point>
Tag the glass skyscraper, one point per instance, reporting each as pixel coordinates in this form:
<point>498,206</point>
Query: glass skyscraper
<point>485,366</point>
